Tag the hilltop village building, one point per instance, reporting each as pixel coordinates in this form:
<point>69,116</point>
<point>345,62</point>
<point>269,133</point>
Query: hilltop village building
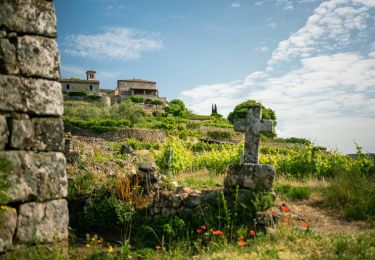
<point>125,89</point>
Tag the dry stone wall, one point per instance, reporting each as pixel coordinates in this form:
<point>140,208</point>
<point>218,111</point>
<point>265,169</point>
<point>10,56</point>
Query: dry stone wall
<point>33,182</point>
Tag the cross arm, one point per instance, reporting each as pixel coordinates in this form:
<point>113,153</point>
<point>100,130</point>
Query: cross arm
<point>266,126</point>
<point>240,125</point>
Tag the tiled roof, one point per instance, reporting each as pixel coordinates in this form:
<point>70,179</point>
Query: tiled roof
<point>137,80</point>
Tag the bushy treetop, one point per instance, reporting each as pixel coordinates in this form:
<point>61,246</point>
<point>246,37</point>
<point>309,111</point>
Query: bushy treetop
<point>241,109</point>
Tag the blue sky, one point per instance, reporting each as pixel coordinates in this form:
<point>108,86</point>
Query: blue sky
<point>312,61</point>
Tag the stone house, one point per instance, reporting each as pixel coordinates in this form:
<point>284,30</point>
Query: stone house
<point>90,85</point>
<point>136,87</point>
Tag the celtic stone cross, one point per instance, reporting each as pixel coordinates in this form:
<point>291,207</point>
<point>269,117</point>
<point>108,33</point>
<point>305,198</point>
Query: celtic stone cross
<point>253,125</point>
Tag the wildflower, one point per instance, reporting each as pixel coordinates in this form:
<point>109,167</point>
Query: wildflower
<point>110,249</point>
<point>217,232</point>
<point>242,243</point>
<point>242,237</point>
<point>284,208</point>
<point>88,245</point>
<point>199,231</point>
<point>157,247</point>
<point>203,227</point>
<point>286,220</point>
<point>305,224</point>
<point>252,233</point>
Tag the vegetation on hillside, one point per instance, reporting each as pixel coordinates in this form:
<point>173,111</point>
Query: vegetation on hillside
<point>99,182</point>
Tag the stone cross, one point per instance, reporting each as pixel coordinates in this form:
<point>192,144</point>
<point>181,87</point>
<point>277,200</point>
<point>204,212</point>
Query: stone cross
<point>253,125</point>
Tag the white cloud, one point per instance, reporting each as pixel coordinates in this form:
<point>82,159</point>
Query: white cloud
<point>115,43</point>
<point>369,3</point>
<point>332,21</point>
<point>262,49</point>
<point>272,24</point>
<point>328,98</point>
<point>236,4</point>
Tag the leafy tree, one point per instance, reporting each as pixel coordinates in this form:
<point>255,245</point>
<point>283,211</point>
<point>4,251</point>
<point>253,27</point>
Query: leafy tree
<point>137,99</point>
<point>176,107</point>
<point>240,111</point>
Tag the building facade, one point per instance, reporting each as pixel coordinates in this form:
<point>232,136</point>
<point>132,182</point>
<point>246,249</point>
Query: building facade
<point>90,86</point>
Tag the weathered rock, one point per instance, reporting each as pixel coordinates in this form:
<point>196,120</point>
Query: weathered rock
<point>4,133</point>
<point>43,97</point>
<point>29,16</point>
<point>35,176</point>
<point>250,176</point>
<point>38,57</point>
<point>11,94</point>
<point>42,134</point>
<point>8,57</point>
<point>36,96</point>
<point>146,167</point>
<point>43,222</point>
<point>193,200</point>
<point>8,224</point>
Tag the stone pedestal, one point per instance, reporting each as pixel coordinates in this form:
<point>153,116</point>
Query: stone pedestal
<point>250,176</point>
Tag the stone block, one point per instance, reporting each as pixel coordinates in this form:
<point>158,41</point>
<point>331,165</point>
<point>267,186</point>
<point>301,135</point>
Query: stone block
<point>38,57</point>
<point>29,16</point>
<point>8,57</point>
<point>35,176</point>
<point>43,97</point>
<point>43,222</point>
<point>11,94</point>
<point>36,96</point>
<point>8,224</point>
<point>42,134</point>
<point>4,133</point>
<point>250,176</point>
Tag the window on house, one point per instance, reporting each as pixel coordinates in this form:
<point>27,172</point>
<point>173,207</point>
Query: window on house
<point>67,86</point>
<point>90,87</point>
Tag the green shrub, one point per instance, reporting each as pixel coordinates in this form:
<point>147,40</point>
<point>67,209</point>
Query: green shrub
<point>137,99</point>
<point>240,111</point>
<point>354,194</point>
<point>174,158</point>
<point>77,94</point>
<point>177,108</point>
<point>94,97</point>
<point>220,135</point>
<point>99,125</point>
<point>293,192</point>
<point>157,102</point>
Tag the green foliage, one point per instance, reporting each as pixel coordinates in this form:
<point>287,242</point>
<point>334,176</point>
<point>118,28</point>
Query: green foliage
<point>220,135</point>
<point>94,97</point>
<point>293,192</point>
<point>314,162</point>
<point>137,145</point>
<point>77,94</point>
<point>157,102</point>
<point>354,194</point>
<point>127,110</point>
<point>218,122</point>
<point>5,168</point>
<point>176,107</point>
<point>98,125</point>
<point>240,111</point>
<point>174,157</point>
<point>295,140</point>
<point>137,99</point>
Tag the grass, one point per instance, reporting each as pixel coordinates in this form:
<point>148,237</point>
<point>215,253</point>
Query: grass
<point>199,179</point>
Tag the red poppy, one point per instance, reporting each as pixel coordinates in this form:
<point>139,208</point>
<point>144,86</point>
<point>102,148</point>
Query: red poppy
<point>199,230</point>
<point>252,233</point>
<point>217,232</point>
<point>284,208</point>
<point>203,227</point>
<point>305,224</point>
<point>242,243</point>
<point>158,247</point>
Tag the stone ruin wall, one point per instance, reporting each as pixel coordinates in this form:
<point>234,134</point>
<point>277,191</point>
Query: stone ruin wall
<point>33,181</point>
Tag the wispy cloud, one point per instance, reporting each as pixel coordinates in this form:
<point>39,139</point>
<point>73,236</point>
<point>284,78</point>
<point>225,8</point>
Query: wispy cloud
<point>262,49</point>
<point>329,97</point>
<point>114,43</point>
<point>236,4</point>
<point>330,27</point>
